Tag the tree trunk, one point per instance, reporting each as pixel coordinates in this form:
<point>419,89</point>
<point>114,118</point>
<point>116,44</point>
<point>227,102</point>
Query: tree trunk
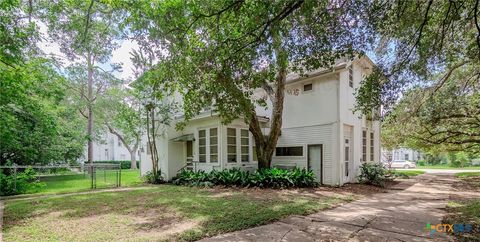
<point>133,159</point>
<point>131,150</point>
<point>151,139</point>
<point>90,109</point>
<point>265,145</point>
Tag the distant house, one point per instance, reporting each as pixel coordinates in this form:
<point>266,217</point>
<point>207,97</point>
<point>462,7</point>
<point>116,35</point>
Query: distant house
<point>320,132</point>
<point>401,154</point>
<point>108,148</point>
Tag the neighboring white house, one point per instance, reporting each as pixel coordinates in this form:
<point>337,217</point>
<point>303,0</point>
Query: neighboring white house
<point>320,131</point>
<point>108,148</point>
<point>401,154</point>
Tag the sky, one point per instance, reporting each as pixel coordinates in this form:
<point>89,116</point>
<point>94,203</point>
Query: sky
<point>121,55</point>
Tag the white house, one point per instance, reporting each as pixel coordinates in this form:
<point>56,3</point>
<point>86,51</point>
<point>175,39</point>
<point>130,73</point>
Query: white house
<point>320,132</point>
<point>109,148</point>
<point>401,154</point>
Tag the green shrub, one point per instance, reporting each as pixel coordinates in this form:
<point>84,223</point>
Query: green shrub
<point>125,164</point>
<point>374,174</point>
<point>461,160</point>
<point>22,182</point>
<point>264,178</point>
<point>421,163</point>
<point>152,178</point>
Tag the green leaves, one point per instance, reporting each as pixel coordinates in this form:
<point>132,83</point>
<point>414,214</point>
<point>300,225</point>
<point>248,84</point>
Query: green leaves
<point>37,125</point>
<point>369,95</point>
<point>219,52</point>
<point>263,178</point>
<point>374,174</point>
<point>438,118</point>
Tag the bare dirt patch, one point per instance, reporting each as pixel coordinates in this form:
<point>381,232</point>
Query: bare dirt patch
<point>148,224</point>
<point>467,184</point>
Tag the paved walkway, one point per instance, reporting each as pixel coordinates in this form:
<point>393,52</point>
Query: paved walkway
<point>399,215</point>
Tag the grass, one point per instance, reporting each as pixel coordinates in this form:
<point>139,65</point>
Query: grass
<point>465,212</point>
<point>447,166</point>
<point>470,180</point>
<point>467,174</point>
<point>80,182</point>
<point>164,212</point>
<point>407,173</point>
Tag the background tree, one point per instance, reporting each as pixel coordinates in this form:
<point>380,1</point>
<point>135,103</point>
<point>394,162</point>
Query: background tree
<point>428,53</point>
<point>446,121</point>
<point>120,111</point>
<point>220,52</point>
<point>157,110</point>
<point>37,124</point>
<point>86,32</point>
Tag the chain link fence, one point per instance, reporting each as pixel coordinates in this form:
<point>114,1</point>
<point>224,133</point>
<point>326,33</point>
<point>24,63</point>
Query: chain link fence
<point>63,178</point>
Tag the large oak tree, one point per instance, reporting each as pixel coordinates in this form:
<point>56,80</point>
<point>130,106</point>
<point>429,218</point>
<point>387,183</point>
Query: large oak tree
<point>219,52</point>
<point>429,54</point>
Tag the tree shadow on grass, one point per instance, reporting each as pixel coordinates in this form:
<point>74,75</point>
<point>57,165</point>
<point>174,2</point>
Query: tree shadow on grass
<point>168,204</point>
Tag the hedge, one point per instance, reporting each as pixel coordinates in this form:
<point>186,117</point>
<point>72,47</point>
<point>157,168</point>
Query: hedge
<point>125,164</point>
<point>264,178</point>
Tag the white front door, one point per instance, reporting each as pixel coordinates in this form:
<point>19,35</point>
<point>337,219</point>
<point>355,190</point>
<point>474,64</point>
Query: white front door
<point>315,161</point>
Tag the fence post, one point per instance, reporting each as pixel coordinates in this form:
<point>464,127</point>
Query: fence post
<point>15,176</point>
<point>120,175</point>
<point>91,175</point>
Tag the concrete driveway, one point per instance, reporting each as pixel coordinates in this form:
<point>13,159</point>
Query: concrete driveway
<point>439,171</point>
<point>401,214</point>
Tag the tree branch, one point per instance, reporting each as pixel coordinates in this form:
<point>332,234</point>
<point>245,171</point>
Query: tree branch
<point>87,21</point>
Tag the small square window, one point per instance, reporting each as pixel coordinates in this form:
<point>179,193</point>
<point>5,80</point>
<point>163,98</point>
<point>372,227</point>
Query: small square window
<point>307,87</point>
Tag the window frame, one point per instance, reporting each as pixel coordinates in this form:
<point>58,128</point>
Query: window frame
<point>347,156</point>
<point>307,84</point>
<point>232,145</point>
<point>245,146</point>
<point>350,76</point>
<point>372,146</point>
<point>209,145</point>
<point>286,147</point>
<point>364,145</point>
<point>204,146</point>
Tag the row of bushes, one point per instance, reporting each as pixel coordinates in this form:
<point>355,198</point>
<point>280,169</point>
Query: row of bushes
<point>125,164</point>
<point>264,178</point>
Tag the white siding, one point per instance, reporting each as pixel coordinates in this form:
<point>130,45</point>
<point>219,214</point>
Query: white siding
<point>303,136</point>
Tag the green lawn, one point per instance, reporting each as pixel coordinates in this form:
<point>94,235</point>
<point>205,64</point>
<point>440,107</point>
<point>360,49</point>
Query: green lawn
<point>79,182</point>
<point>446,166</point>
<point>467,174</point>
<point>407,173</point>
<point>465,212</point>
<point>156,213</point>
